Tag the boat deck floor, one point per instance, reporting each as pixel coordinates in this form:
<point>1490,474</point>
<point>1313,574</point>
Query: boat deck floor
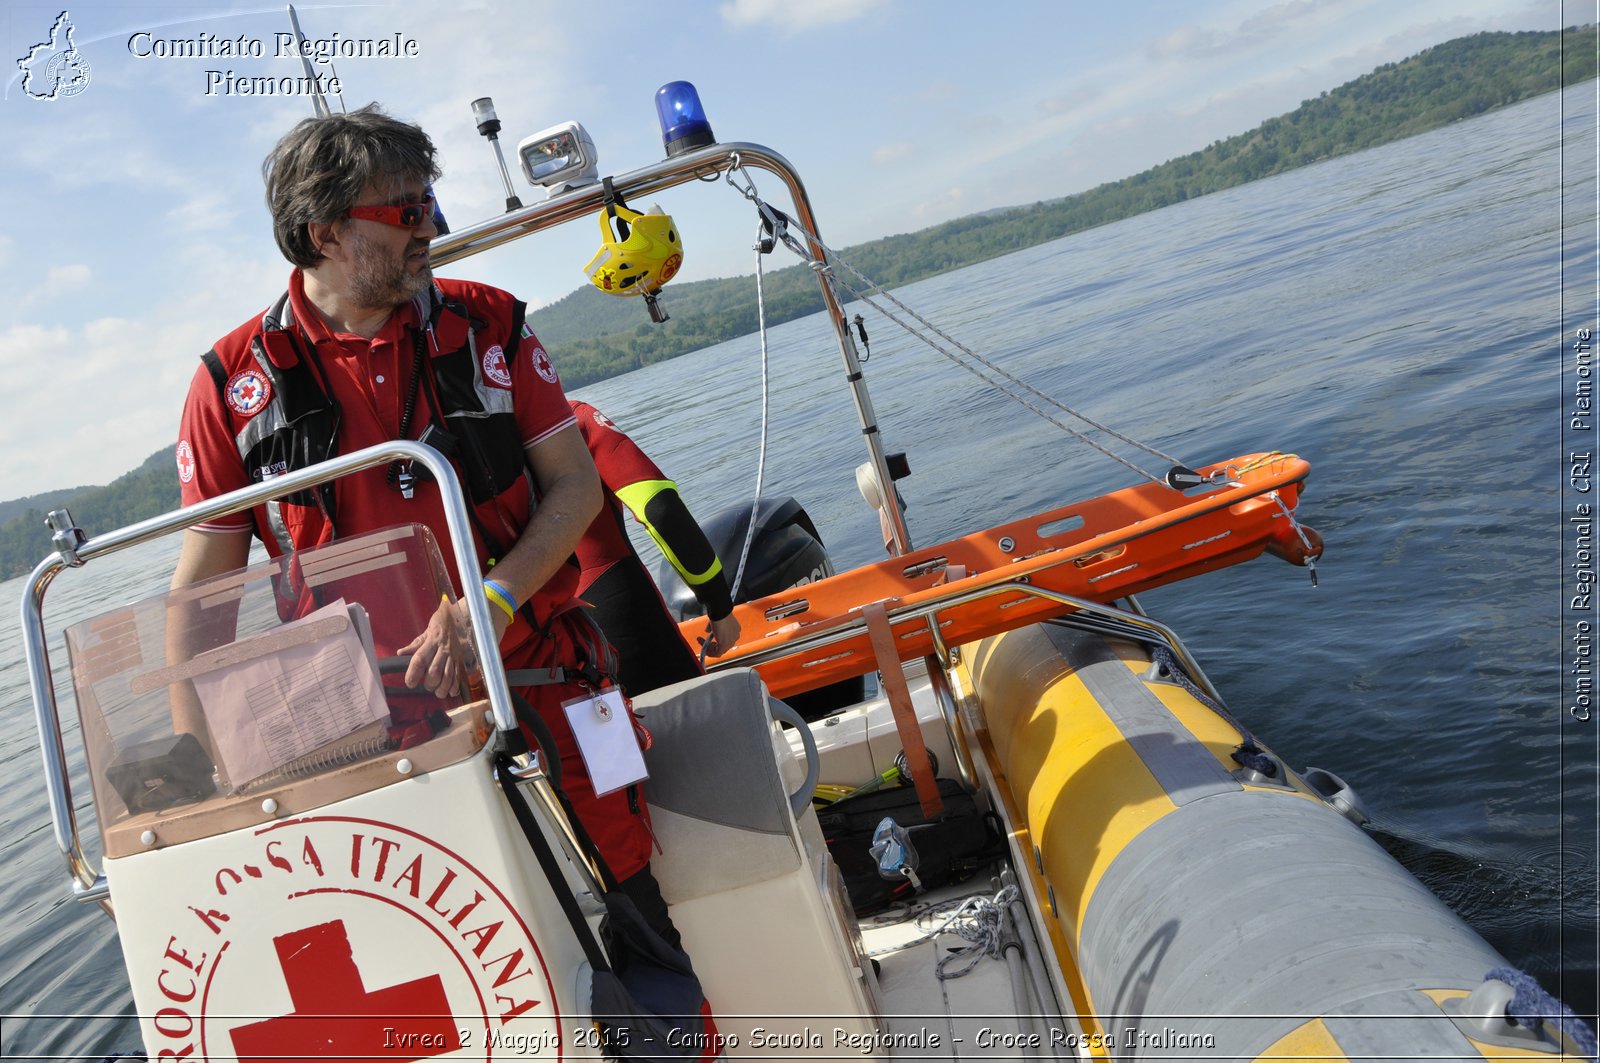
<point>970,1016</point>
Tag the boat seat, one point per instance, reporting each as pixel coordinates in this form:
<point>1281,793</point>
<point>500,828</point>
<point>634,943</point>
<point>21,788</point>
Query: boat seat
<point>715,787</point>
<point>751,888</point>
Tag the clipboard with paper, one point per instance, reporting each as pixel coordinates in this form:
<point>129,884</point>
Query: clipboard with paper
<point>280,696</point>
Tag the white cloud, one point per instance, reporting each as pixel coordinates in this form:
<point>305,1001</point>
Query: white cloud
<point>57,280</point>
<point>891,153</point>
<point>1252,32</point>
<point>1185,41</point>
<point>1072,101</point>
<point>202,212</point>
<point>794,17</point>
<point>945,205</point>
<point>107,391</point>
<point>127,157</point>
<point>61,278</point>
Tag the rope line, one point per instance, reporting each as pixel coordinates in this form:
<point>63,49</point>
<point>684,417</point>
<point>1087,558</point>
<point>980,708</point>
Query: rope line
<point>982,922</point>
<point>761,456</point>
<point>1249,754</point>
<point>977,917</point>
<point>805,254</point>
<point>1532,1007</point>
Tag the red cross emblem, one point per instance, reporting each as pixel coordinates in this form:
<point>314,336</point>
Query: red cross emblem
<point>336,1017</point>
<point>185,456</point>
<point>247,392</point>
<point>494,366</point>
<point>543,366</point>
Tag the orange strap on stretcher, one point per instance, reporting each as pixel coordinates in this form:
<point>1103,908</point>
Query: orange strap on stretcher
<point>905,715</point>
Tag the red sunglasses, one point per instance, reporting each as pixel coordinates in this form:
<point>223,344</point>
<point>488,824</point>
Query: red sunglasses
<point>404,215</point>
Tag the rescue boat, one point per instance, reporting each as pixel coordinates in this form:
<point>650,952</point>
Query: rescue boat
<point>1164,885</point>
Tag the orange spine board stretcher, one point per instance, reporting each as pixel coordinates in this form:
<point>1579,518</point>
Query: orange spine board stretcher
<point>1102,549</point>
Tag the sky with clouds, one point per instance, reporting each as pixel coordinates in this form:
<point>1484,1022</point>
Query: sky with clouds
<point>134,232</point>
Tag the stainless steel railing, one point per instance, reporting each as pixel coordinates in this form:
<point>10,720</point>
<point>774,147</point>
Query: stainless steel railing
<point>88,884</point>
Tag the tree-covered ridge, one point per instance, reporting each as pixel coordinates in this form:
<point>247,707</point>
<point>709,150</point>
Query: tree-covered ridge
<point>41,503</point>
<point>148,491</point>
<point>596,336</point>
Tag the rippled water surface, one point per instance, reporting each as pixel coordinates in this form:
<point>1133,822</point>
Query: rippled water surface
<point>1395,316</point>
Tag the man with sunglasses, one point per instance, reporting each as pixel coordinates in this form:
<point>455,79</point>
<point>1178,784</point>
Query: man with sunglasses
<point>367,346</point>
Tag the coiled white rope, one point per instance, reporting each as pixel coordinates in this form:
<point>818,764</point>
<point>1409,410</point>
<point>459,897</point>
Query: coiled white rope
<point>981,921</point>
<point>978,918</point>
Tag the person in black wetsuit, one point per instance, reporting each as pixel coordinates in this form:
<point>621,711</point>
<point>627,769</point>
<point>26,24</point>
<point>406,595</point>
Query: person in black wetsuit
<point>628,606</point>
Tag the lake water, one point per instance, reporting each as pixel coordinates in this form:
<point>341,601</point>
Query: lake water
<point>1399,317</point>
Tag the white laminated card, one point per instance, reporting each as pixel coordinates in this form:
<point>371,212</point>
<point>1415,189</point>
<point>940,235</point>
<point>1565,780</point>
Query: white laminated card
<point>604,730</point>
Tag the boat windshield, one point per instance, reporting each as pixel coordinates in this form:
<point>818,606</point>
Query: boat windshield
<point>277,687</point>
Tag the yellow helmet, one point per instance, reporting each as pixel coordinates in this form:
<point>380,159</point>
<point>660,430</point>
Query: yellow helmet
<point>642,254</point>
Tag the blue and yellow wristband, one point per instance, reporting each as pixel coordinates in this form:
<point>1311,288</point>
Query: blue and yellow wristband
<point>497,593</point>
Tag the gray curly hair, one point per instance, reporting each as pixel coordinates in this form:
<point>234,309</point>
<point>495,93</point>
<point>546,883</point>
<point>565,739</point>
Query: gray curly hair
<point>321,166</point>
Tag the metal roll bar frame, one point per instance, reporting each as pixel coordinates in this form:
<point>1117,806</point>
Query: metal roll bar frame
<point>701,165</point>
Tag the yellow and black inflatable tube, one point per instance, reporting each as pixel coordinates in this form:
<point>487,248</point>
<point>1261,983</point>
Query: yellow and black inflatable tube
<point>1204,914</point>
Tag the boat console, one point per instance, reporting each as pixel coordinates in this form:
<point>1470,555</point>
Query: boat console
<point>262,693</point>
<point>301,850</point>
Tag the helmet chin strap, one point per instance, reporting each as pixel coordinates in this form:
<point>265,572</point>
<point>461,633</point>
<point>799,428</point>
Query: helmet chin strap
<point>612,199</point>
<point>658,313</point>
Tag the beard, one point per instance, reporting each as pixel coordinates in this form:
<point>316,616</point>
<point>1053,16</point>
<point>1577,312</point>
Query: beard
<point>378,280</point>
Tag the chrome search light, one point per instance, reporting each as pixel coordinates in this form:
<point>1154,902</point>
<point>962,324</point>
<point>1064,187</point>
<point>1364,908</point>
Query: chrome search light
<point>559,158</point>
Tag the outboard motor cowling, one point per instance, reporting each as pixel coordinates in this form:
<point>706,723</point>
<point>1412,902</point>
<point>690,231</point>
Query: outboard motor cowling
<point>786,552</point>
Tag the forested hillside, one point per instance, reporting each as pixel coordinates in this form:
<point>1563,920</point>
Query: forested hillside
<point>599,336</point>
<point>150,489</point>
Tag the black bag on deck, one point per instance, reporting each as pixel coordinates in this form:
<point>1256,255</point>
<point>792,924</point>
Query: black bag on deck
<point>950,849</point>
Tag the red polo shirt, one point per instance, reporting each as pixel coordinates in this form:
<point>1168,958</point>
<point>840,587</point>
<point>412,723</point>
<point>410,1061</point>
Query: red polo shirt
<point>369,380</point>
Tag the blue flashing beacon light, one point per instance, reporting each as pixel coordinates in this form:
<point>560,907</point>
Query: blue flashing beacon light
<point>438,215</point>
<point>683,120</point>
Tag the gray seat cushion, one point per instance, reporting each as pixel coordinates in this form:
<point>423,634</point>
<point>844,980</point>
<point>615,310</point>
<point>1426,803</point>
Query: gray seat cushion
<point>718,804</point>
